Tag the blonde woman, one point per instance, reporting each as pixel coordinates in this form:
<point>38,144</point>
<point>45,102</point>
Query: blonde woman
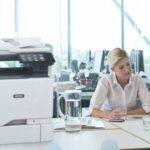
<point>120,88</point>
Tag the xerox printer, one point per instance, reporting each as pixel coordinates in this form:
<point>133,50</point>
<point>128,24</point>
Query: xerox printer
<point>26,91</point>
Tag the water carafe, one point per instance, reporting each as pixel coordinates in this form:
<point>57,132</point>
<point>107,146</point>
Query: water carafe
<point>72,110</point>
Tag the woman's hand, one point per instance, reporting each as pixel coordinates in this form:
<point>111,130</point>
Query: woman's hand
<point>114,115</point>
<point>107,115</point>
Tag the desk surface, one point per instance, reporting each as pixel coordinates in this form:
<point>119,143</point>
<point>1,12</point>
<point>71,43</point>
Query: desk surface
<point>87,140</point>
<point>128,135</point>
<point>134,127</point>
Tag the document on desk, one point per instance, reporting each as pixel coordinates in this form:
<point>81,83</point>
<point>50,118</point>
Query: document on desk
<point>87,123</point>
<point>92,123</point>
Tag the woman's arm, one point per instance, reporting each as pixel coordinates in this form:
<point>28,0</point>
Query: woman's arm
<point>114,115</point>
<point>144,96</point>
<point>139,111</point>
<point>107,115</point>
<point>98,113</point>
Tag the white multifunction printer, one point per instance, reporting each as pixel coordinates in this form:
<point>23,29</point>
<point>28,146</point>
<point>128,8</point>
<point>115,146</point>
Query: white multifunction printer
<point>26,91</point>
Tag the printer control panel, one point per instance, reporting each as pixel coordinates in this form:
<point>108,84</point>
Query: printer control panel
<point>38,58</point>
<point>32,57</point>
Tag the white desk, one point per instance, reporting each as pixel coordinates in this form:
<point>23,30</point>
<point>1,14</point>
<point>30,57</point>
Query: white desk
<point>123,133</point>
<point>92,140</point>
<point>135,127</point>
<point>32,146</point>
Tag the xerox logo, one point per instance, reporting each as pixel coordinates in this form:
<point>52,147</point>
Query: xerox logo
<point>18,96</point>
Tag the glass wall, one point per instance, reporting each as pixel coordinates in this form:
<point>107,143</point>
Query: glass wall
<point>7,21</point>
<point>136,29</point>
<point>96,25</point>
<point>46,19</point>
<point>79,26</point>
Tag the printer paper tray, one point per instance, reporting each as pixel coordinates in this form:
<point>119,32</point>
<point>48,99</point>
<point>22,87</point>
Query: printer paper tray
<point>19,134</point>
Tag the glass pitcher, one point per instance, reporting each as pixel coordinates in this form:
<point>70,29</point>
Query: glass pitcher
<point>72,110</point>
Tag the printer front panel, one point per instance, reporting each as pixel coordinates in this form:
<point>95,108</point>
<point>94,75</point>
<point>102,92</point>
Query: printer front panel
<point>26,99</point>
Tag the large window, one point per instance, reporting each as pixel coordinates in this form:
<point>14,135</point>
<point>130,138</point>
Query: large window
<point>73,27</point>
<point>46,19</point>
<point>7,21</point>
<point>95,26</point>
<point>136,29</point>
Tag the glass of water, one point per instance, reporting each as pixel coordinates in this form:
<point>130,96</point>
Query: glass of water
<point>122,110</point>
<point>146,122</point>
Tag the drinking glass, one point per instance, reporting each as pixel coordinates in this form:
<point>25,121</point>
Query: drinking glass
<point>146,122</point>
<point>122,110</point>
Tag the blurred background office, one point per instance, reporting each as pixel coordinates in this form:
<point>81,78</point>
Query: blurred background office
<point>81,33</point>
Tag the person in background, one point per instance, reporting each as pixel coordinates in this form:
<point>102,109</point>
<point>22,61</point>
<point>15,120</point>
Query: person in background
<point>120,88</point>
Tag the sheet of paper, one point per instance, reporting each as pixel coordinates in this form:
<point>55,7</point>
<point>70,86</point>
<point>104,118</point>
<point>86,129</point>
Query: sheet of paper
<point>92,122</point>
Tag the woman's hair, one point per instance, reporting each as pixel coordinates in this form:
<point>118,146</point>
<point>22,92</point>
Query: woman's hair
<point>115,55</point>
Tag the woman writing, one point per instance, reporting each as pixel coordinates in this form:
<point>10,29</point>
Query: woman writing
<point>120,88</point>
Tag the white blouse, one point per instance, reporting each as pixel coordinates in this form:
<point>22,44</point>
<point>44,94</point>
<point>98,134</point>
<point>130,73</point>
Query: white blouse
<point>109,94</point>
